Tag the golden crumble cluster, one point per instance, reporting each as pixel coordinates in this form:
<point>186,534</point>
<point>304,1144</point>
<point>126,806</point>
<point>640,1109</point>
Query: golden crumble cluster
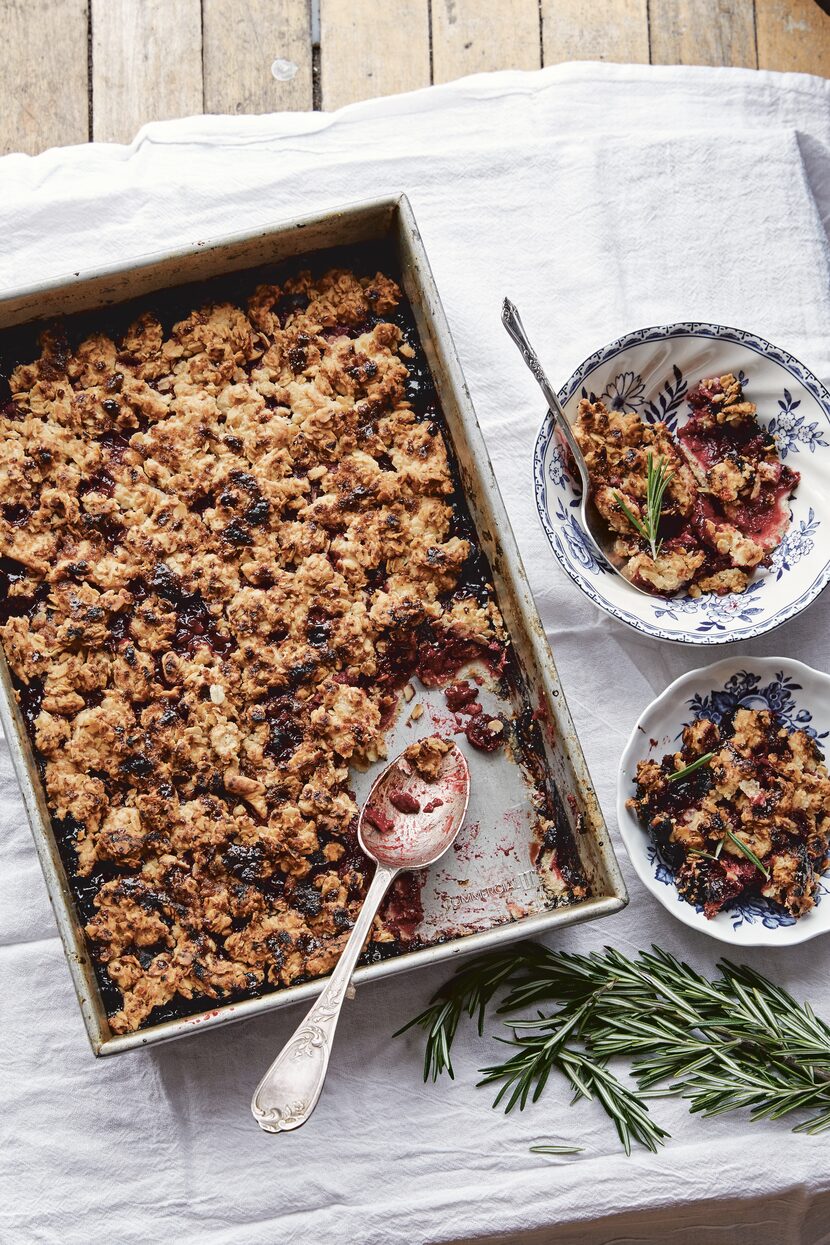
<point>224,547</point>
<point>751,815</point>
<point>724,509</point>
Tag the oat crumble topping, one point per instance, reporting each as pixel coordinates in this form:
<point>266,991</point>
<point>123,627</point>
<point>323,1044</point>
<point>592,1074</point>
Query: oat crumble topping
<point>766,786</point>
<point>225,548</point>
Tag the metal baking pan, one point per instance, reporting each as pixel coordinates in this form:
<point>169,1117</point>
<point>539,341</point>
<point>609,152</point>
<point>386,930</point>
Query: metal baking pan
<point>493,887</point>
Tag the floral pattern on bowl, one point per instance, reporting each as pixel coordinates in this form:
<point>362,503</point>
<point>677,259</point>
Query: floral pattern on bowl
<point>651,371</point>
<point>801,696</point>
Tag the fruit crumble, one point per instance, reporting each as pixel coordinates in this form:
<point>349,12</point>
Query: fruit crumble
<point>724,510</point>
<point>227,543</point>
<point>743,809</point>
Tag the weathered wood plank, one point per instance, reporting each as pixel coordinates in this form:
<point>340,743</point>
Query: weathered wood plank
<point>793,35</point>
<point>702,32</point>
<point>574,30</point>
<point>475,36</point>
<point>146,64</point>
<point>45,89</point>
<point>257,55</point>
<point>369,48</point>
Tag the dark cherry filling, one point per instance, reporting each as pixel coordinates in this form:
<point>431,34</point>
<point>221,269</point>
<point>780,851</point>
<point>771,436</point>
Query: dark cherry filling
<point>16,515</point>
<point>285,732</point>
<point>115,445</point>
<point>714,883</point>
<point>378,819</point>
<point>30,697</point>
<point>404,802</point>
<point>341,330</point>
<point>13,605</point>
<point>287,304</point>
<point>101,482</point>
<point>318,627</point>
<point>404,909</point>
<point>481,736</point>
<point>764,517</point>
<point>244,862</point>
<point>8,409</point>
<point>460,696</point>
<point>196,626</point>
<point>441,657</point>
<point>194,623</point>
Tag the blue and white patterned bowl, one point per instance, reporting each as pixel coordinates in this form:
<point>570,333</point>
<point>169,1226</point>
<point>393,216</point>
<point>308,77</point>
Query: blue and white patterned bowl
<point>651,371</point>
<point>801,696</point>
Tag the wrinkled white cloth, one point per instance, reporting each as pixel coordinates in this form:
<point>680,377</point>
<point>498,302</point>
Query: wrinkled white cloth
<point>600,198</point>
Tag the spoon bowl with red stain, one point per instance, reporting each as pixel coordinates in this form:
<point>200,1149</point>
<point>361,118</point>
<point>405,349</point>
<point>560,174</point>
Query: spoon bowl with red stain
<point>407,822</point>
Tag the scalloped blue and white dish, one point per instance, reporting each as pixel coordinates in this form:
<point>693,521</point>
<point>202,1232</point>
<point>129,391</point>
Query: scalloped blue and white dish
<point>651,371</point>
<point>801,696</point>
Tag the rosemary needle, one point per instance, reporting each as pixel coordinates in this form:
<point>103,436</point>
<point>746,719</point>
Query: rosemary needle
<point>556,1149</point>
<point>748,852</point>
<point>690,769</point>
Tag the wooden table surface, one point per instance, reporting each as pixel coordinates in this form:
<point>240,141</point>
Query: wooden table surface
<point>75,70</point>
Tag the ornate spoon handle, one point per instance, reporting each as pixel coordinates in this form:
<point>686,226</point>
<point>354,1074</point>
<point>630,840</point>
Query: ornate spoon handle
<point>512,322</point>
<point>288,1093</point>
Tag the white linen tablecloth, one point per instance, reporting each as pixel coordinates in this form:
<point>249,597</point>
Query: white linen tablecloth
<point>601,198</point>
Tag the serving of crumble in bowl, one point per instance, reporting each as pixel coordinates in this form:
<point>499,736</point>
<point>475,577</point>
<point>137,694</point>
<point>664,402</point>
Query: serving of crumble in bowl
<point>723,800</point>
<point>737,433</point>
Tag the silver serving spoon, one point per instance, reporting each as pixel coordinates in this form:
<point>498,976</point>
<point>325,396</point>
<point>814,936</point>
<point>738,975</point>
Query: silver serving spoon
<point>288,1093</point>
<point>593,524</point>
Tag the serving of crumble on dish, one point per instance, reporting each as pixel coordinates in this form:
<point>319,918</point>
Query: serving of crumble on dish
<point>724,510</point>
<point>227,543</point>
<point>742,809</point>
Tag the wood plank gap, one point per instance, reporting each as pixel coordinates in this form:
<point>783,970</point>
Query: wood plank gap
<point>89,98</point>
<point>755,30</point>
<point>431,47</point>
<point>314,23</point>
<point>202,29</point>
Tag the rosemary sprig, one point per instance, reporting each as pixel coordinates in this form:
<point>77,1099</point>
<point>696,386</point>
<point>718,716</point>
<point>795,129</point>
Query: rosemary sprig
<point>658,478</point>
<point>474,986</point>
<point>690,769</point>
<point>735,1042</point>
<point>748,852</point>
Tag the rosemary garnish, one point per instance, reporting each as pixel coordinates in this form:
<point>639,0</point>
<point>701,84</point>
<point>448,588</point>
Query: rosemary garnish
<point>658,478</point>
<point>698,851</point>
<point>748,852</point>
<point>690,769</point>
<point>734,1042</point>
